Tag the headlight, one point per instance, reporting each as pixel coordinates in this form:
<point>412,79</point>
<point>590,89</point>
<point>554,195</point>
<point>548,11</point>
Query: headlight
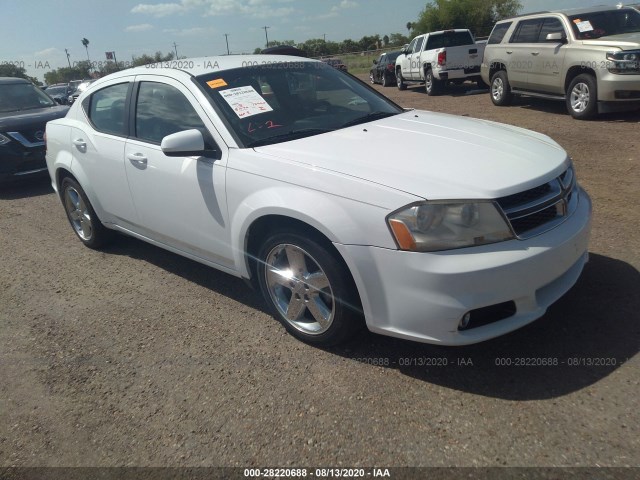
<point>444,225</point>
<point>4,140</point>
<point>624,62</point>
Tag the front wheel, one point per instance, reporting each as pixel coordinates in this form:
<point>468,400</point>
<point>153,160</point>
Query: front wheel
<point>310,292</point>
<point>81,215</point>
<point>400,80</point>
<point>500,89</point>
<point>582,97</point>
<point>431,84</point>
<point>372,78</point>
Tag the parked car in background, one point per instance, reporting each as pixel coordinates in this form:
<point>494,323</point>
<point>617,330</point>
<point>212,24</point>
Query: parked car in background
<point>587,57</point>
<point>274,173</point>
<point>81,88</point>
<point>435,58</point>
<point>384,69</point>
<point>24,111</point>
<point>284,50</point>
<point>60,93</point>
<point>335,63</point>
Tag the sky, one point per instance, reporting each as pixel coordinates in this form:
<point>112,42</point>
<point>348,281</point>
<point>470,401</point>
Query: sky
<point>35,33</point>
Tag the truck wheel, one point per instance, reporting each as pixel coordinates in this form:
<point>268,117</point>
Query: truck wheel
<point>400,81</point>
<point>431,85</point>
<point>500,89</point>
<point>582,97</point>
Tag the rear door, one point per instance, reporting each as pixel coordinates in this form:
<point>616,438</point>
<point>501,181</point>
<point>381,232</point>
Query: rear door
<point>416,64</point>
<point>180,201</point>
<point>521,52</point>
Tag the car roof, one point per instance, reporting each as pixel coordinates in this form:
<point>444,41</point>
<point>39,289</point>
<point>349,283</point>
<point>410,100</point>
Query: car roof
<point>10,80</point>
<point>568,12</point>
<point>203,65</point>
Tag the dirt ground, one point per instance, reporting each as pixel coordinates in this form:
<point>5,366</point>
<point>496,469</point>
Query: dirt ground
<point>137,357</point>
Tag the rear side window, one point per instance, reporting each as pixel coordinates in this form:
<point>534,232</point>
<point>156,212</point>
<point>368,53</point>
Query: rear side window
<point>498,33</point>
<point>107,109</point>
<point>527,31</point>
<point>162,110</point>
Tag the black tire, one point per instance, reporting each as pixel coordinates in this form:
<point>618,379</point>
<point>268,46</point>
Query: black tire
<point>500,89</point>
<point>385,80</point>
<point>81,215</point>
<point>582,97</point>
<point>432,85</point>
<point>333,297</point>
<point>400,80</point>
<point>372,78</point>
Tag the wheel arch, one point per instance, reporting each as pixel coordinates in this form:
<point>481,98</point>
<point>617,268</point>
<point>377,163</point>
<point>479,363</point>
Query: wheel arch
<point>576,70</point>
<point>496,67</point>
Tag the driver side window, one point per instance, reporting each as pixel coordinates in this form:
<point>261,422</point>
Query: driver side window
<point>162,110</point>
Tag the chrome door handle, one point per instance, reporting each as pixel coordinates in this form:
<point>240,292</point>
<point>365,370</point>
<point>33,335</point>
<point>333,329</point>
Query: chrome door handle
<point>79,142</point>
<point>138,158</point>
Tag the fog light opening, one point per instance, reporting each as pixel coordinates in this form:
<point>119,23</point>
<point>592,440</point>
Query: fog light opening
<point>464,321</point>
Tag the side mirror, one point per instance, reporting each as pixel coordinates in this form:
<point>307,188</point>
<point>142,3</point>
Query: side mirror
<point>405,48</point>
<point>183,144</point>
<point>556,37</point>
<point>375,62</point>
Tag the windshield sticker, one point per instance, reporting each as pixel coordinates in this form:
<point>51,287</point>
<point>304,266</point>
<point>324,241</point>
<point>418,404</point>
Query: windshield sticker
<point>217,83</point>
<point>584,26</point>
<point>245,101</point>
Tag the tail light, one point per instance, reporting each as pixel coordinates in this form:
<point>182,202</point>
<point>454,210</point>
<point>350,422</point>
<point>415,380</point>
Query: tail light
<point>390,67</point>
<point>442,58</point>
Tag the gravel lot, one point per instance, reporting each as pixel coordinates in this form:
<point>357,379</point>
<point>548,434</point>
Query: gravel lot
<point>137,357</point>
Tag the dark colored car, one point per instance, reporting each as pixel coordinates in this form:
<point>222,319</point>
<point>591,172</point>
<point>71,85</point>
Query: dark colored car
<point>284,50</point>
<point>60,93</point>
<point>335,63</point>
<point>383,70</point>
<point>24,112</point>
<point>81,88</point>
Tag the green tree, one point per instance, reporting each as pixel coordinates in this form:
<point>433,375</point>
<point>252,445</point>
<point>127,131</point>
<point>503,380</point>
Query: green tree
<point>398,39</point>
<point>79,71</point>
<point>156,58</point>
<point>477,15</point>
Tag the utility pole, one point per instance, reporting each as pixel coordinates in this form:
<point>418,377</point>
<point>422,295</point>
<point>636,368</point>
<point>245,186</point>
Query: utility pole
<point>266,36</point>
<point>226,37</point>
<point>324,36</point>
<point>68,57</point>
<point>176,49</point>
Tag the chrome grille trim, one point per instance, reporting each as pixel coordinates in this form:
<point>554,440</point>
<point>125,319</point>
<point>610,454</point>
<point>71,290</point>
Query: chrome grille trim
<point>541,208</point>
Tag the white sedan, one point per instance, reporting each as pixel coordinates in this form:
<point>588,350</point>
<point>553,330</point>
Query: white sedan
<point>341,207</point>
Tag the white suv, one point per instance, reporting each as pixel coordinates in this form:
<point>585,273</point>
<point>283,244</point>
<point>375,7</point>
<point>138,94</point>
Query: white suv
<point>588,57</point>
<point>275,169</point>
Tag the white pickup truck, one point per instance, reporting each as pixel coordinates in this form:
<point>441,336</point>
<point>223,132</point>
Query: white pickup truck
<point>439,57</point>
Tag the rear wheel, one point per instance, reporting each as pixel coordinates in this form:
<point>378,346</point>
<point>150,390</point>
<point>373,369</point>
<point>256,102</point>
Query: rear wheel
<point>582,97</point>
<point>385,80</point>
<point>500,89</point>
<point>310,292</point>
<point>400,81</point>
<point>82,217</point>
<point>431,84</point>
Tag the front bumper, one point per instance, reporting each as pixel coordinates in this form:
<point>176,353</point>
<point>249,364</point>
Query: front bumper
<point>18,161</point>
<point>423,296</point>
<point>615,88</point>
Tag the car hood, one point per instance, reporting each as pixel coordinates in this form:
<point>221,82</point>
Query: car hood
<point>23,118</point>
<point>626,41</point>
<point>433,155</point>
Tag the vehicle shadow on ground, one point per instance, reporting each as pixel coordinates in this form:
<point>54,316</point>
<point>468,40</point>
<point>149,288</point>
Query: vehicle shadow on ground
<point>192,271</point>
<point>584,337</point>
<point>557,107</point>
<point>33,187</point>
<point>463,90</point>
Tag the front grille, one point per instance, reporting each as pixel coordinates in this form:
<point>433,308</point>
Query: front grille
<point>541,208</point>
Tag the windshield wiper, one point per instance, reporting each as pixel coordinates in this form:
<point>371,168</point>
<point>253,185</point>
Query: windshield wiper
<point>291,135</point>
<point>369,117</point>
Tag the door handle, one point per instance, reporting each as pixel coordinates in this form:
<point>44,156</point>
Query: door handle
<point>137,158</point>
<point>509,52</point>
<point>79,142</point>
<point>535,53</point>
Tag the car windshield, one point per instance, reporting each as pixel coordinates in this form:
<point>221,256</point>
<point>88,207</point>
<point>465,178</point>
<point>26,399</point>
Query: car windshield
<point>57,90</point>
<point>23,96</point>
<point>603,24</point>
<point>278,102</point>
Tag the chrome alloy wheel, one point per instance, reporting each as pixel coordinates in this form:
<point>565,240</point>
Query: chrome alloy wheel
<point>497,89</point>
<point>580,97</point>
<point>78,213</point>
<point>300,289</point>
